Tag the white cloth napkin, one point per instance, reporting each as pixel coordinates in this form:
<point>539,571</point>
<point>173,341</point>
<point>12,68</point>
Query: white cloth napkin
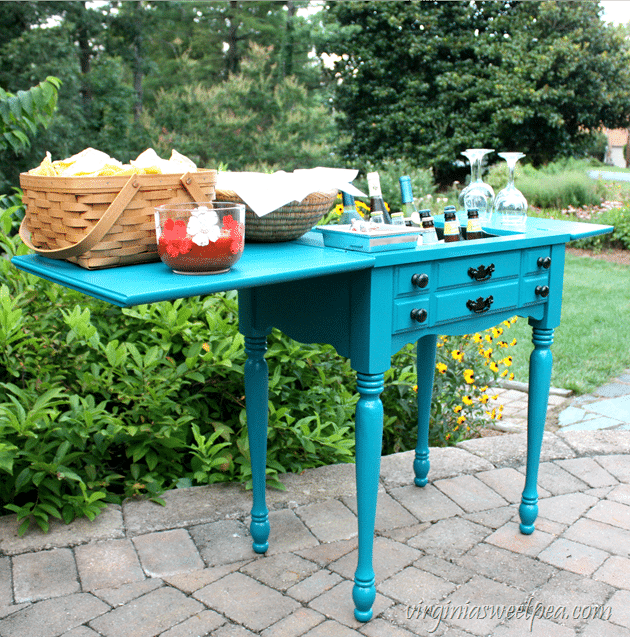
<point>266,192</point>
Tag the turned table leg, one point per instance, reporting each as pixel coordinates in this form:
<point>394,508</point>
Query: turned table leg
<point>426,352</point>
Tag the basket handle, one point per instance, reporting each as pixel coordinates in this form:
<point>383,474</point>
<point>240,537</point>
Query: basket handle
<point>109,218</point>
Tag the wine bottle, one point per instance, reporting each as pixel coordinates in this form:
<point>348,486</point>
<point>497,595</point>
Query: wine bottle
<point>409,212</point>
<point>349,209</point>
<point>451,226</point>
<point>378,212</point>
<point>473,228</point>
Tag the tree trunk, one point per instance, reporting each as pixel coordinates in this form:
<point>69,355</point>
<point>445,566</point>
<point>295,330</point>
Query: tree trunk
<point>232,59</point>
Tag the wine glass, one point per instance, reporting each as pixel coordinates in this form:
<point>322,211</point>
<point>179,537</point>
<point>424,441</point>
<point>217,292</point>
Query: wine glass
<point>510,206</point>
<point>477,194</point>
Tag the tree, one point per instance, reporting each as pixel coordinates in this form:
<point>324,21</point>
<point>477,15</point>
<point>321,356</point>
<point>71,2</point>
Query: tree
<point>426,79</point>
<point>251,120</point>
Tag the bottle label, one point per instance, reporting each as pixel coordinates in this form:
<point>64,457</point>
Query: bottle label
<point>398,218</point>
<point>451,227</point>
<point>374,185</point>
<point>474,225</point>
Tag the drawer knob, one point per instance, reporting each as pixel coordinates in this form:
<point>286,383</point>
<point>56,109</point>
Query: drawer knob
<point>481,305</point>
<point>542,290</point>
<point>544,262</point>
<point>481,273</point>
<point>419,315</point>
<point>420,280</point>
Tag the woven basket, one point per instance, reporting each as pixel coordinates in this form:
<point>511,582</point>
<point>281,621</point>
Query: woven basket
<point>286,223</point>
<point>103,222</point>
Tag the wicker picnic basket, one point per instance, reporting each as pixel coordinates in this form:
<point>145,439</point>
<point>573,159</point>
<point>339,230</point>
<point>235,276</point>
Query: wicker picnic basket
<point>286,223</point>
<point>103,222</point>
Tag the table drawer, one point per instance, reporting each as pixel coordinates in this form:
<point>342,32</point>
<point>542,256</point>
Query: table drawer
<point>416,278</point>
<point>536,260</point>
<point>477,301</point>
<point>477,269</point>
<point>403,308</point>
<point>534,289</point>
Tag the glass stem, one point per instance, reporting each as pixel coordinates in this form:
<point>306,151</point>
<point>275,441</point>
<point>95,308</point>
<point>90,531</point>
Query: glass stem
<point>511,167</point>
<point>475,170</point>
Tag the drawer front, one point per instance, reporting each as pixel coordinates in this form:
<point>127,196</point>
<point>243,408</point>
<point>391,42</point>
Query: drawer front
<point>416,278</point>
<point>534,289</point>
<point>484,299</point>
<point>536,260</point>
<point>478,269</point>
<point>403,308</point>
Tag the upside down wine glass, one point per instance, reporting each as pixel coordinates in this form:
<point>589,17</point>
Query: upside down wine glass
<point>477,194</point>
<point>510,206</point>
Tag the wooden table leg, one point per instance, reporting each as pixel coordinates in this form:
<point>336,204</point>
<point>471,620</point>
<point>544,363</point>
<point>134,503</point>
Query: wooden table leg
<point>369,440</point>
<point>426,352</point>
<point>256,406</point>
<point>539,381</point>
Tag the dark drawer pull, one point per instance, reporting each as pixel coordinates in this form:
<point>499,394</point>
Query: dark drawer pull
<point>542,290</point>
<point>481,305</point>
<point>481,273</point>
<point>420,280</point>
<point>419,315</point>
<point>544,262</point>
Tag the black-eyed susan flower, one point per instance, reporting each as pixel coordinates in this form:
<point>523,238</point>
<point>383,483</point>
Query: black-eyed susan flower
<point>507,361</point>
<point>483,399</point>
<point>461,419</point>
<point>457,408</point>
<point>494,367</point>
<point>513,343</point>
<point>477,338</point>
<point>441,367</point>
<point>457,355</point>
<point>467,400</point>
<point>469,376</point>
<point>497,331</point>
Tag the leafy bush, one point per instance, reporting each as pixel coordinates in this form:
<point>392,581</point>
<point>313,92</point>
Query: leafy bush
<point>619,218</point>
<point>153,399</point>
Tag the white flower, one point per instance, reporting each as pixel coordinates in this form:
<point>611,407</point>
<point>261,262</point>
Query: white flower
<point>204,226</point>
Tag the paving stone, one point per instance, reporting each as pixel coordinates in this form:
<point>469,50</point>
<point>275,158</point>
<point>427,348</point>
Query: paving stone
<point>190,582</point>
<point>510,538</point>
<point>597,628</point>
<point>494,518</point>
<point>572,556</point>
<point>572,592</point>
<point>313,586</point>
<point>466,605</point>
<point>231,630</point>
<point>389,514</point>
<point>280,571</point>
<point>380,628</point>
<point>187,507</point>
<point>123,594</point>
<point>610,512</point>
<point>617,464</point>
<point>617,408</point>
<point>620,494</point>
<point>603,536</point>
<point>449,538</point>
<point>573,415</point>
<point>6,592</point>
<point>507,482</point>
<point>246,601</point>
<point>503,450</point>
<point>566,509</point>
<point>329,521</point>
<point>5,611</point>
<point>533,627</point>
<point>297,623</point>
<point>597,443</point>
<point>470,494</point>
<point>81,631</point>
<point>223,542</point>
<point>53,617</point>
<point>107,564</point>
<point>504,566</point>
<point>613,390</point>
<point>324,554</point>
<point>337,604</point>
<point>614,571</point>
<point>427,503</point>
<point>200,624</point>
<point>413,587</point>
<point>558,481</point>
<point>596,423</point>
<point>167,553</point>
<point>446,570</point>
<point>446,462</point>
<point>106,526</point>
<point>404,533</point>
<point>44,574</point>
<point>412,618</point>
<point>389,557</point>
<point>547,526</point>
<point>619,609</point>
<point>149,615</point>
<point>288,533</point>
<point>331,629</point>
<point>589,471</point>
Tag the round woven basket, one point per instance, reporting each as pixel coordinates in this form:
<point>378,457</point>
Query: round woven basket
<point>286,223</point>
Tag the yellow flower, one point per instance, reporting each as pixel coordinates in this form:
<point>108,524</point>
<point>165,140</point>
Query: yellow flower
<point>503,344</point>
<point>484,388</point>
<point>507,324</point>
<point>487,353</point>
<point>441,367</point>
<point>415,388</point>
<point>467,400</point>
<point>457,408</point>
<point>513,343</point>
<point>461,419</point>
<point>504,373</point>
<point>507,361</point>
<point>206,347</point>
<point>488,338</point>
<point>457,355</point>
<point>469,376</point>
<point>483,398</point>
<point>497,331</point>
<point>511,377</point>
<point>494,367</point>
<point>477,338</point>
<point>514,319</point>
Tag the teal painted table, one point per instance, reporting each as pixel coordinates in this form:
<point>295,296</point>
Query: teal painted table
<point>368,306</point>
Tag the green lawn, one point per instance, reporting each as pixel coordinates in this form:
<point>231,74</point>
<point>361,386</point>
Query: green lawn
<point>592,343</point>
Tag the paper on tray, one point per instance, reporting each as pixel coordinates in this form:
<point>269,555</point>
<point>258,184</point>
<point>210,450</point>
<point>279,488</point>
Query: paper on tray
<point>264,193</point>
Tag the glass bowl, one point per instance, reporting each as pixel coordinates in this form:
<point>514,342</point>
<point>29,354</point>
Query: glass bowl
<point>200,238</point>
